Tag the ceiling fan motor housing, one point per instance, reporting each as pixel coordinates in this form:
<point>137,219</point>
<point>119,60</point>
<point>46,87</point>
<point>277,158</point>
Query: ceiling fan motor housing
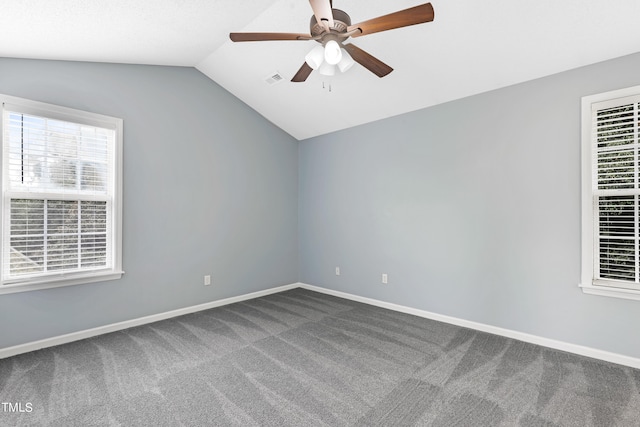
<point>340,23</point>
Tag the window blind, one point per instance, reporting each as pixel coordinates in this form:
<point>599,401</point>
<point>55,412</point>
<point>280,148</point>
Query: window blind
<point>58,187</point>
<point>616,190</point>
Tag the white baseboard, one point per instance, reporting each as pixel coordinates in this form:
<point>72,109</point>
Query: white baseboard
<point>88,333</point>
<point>533,339</point>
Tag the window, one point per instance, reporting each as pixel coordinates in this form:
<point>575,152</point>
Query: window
<point>61,196</point>
<point>611,193</point>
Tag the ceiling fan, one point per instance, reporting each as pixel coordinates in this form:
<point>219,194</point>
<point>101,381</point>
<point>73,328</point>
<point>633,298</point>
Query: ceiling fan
<point>331,28</point>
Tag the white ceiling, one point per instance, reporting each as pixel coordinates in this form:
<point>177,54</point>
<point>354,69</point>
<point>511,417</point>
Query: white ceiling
<point>472,46</point>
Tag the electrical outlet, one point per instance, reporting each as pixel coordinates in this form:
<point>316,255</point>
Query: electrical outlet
<point>337,271</point>
<point>207,280</point>
<point>385,278</point>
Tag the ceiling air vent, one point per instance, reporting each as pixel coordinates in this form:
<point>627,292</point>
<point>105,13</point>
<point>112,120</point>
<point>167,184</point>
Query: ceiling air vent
<point>274,78</point>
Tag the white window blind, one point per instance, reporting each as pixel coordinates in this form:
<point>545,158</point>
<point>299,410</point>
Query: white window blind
<point>616,191</point>
<point>61,201</point>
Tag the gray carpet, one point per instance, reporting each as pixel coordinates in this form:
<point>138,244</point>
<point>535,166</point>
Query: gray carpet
<point>301,358</point>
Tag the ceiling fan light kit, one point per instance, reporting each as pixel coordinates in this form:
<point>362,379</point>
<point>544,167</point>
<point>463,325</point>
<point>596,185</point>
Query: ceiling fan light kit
<point>331,27</point>
<point>317,59</point>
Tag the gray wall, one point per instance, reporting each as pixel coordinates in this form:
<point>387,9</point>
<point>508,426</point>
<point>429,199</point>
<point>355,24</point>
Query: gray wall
<point>210,188</point>
<point>472,208</point>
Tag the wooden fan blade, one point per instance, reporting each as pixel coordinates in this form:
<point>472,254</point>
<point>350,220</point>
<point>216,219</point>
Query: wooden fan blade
<point>323,12</point>
<point>302,73</point>
<point>404,18</point>
<point>369,62</point>
<point>259,37</point>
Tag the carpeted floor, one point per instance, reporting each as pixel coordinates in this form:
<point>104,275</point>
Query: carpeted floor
<point>301,358</point>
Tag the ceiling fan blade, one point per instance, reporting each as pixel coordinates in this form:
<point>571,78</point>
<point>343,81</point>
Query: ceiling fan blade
<point>258,37</point>
<point>403,18</point>
<point>323,12</point>
<point>369,62</point>
<point>302,73</point>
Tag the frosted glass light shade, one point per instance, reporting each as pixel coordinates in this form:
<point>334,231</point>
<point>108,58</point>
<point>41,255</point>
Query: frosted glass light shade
<point>332,52</point>
<point>327,69</point>
<point>346,62</point>
<point>315,58</point>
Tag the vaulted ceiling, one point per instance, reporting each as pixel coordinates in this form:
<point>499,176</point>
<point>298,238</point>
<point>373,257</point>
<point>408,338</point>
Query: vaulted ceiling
<point>471,47</point>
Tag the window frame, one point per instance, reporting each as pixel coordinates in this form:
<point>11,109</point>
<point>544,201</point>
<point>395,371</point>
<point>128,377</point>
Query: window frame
<point>61,279</point>
<point>588,282</point>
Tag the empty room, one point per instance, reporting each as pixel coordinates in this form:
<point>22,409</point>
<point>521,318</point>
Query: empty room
<point>320,213</point>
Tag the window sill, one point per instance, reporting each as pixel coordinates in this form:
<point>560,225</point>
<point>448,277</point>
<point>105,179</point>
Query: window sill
<point>607,291</point>
<point>47,283</point>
